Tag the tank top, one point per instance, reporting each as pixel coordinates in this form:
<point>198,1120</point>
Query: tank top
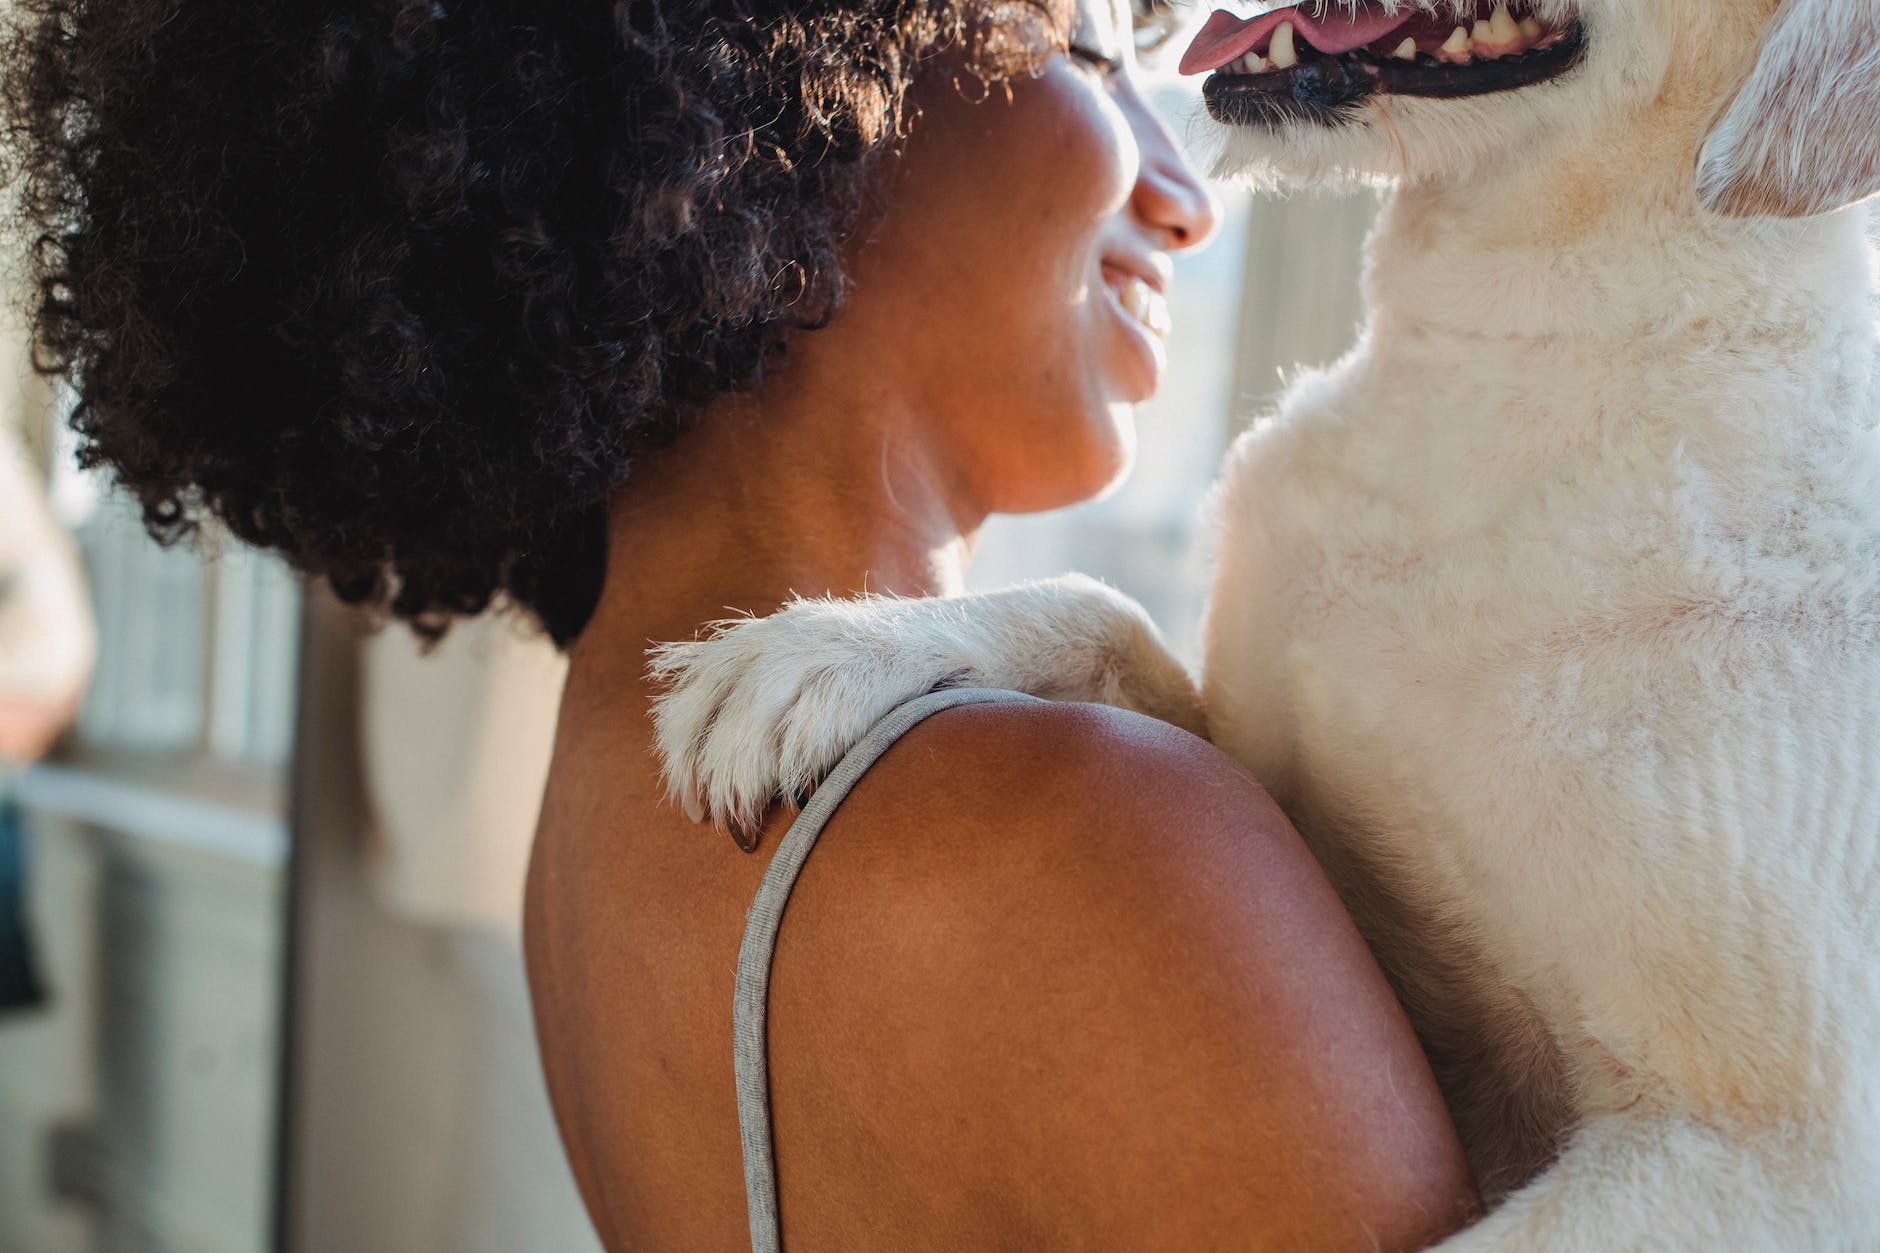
<point>750,1008</point>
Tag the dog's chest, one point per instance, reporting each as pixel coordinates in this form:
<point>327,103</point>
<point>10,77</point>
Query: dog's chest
<point>1366,666</point>
<point>1493,729</point>
<point>1403,676</point>
<point>1355,643</point>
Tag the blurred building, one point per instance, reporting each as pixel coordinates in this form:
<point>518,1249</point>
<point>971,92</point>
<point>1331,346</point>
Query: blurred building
<point>277,920</point>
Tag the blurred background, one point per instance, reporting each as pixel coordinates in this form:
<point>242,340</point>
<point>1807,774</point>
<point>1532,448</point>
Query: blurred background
<point>260,983</point>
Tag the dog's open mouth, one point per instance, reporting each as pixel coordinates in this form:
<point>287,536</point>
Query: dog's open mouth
<point>1316,62</point>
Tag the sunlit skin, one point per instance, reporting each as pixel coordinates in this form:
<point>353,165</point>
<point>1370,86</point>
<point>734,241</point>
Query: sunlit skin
<point>1056,977</point>
<point>981,364</point>
<point>28,729</point>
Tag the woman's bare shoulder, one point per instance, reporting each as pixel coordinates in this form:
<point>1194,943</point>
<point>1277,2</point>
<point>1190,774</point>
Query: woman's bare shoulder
<point>1096,959</point>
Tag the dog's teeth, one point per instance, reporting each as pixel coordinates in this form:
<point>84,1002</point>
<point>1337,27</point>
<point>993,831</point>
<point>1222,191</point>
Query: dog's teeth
<point>1504,31</point>
<point>1406,51</point>
<point>1283,52</point>
<point>1459,45</point>
<point>1496,36</point>
<point>1531,28</point>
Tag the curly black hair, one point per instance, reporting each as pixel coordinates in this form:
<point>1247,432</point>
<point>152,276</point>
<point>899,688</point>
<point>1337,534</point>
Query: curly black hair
<point>397,288</point>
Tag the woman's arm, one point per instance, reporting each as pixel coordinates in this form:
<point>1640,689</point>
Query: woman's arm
<point>47,639</point>
<point>1094,994</point>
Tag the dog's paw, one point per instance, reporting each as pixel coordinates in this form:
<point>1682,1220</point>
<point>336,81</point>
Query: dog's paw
<point>765,707</point>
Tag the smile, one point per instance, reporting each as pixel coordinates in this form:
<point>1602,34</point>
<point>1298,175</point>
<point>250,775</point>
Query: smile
<point>1291,65</point>
<point>1140,301</point>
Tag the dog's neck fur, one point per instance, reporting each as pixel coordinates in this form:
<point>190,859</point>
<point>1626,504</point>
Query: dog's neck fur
<point>1552,255</point>
<point>1573,292</point>
<point>1597,238</point>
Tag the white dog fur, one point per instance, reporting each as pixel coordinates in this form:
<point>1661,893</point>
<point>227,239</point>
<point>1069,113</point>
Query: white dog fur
<point>1551,614</point>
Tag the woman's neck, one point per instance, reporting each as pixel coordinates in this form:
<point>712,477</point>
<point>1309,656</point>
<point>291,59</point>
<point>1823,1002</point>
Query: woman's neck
<point>800,490</point>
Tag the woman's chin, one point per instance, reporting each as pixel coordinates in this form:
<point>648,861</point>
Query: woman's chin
<point>1109,455</point>
<point>1138,384</point>
<point>1123,449</point>
<point>1138,355</point>
<point>1137,368</point>
<point>1072,465</point>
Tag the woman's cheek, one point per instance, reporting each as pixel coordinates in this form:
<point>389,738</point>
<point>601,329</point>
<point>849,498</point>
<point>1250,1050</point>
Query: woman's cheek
<point>1086,151</point>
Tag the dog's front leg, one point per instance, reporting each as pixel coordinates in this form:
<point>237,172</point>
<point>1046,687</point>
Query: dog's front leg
<point>765,707</point>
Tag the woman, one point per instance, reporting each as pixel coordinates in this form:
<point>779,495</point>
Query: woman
<point>629,314</point>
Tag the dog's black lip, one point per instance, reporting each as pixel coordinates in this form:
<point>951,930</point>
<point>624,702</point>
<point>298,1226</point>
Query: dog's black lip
<point>1330,90</point>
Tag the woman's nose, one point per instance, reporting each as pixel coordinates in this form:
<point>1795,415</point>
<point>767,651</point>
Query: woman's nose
<point>1170,196</point>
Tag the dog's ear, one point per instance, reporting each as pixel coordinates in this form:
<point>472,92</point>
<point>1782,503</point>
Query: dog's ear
<point>1802,135</point>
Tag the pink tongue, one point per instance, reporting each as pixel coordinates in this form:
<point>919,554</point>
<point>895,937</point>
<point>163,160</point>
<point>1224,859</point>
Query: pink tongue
<point>1228,38</point>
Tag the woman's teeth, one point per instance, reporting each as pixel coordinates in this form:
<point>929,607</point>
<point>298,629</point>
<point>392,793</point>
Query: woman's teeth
<point>1145,304</point>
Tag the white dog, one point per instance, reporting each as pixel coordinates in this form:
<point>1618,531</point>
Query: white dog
<point>1551,614</point>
